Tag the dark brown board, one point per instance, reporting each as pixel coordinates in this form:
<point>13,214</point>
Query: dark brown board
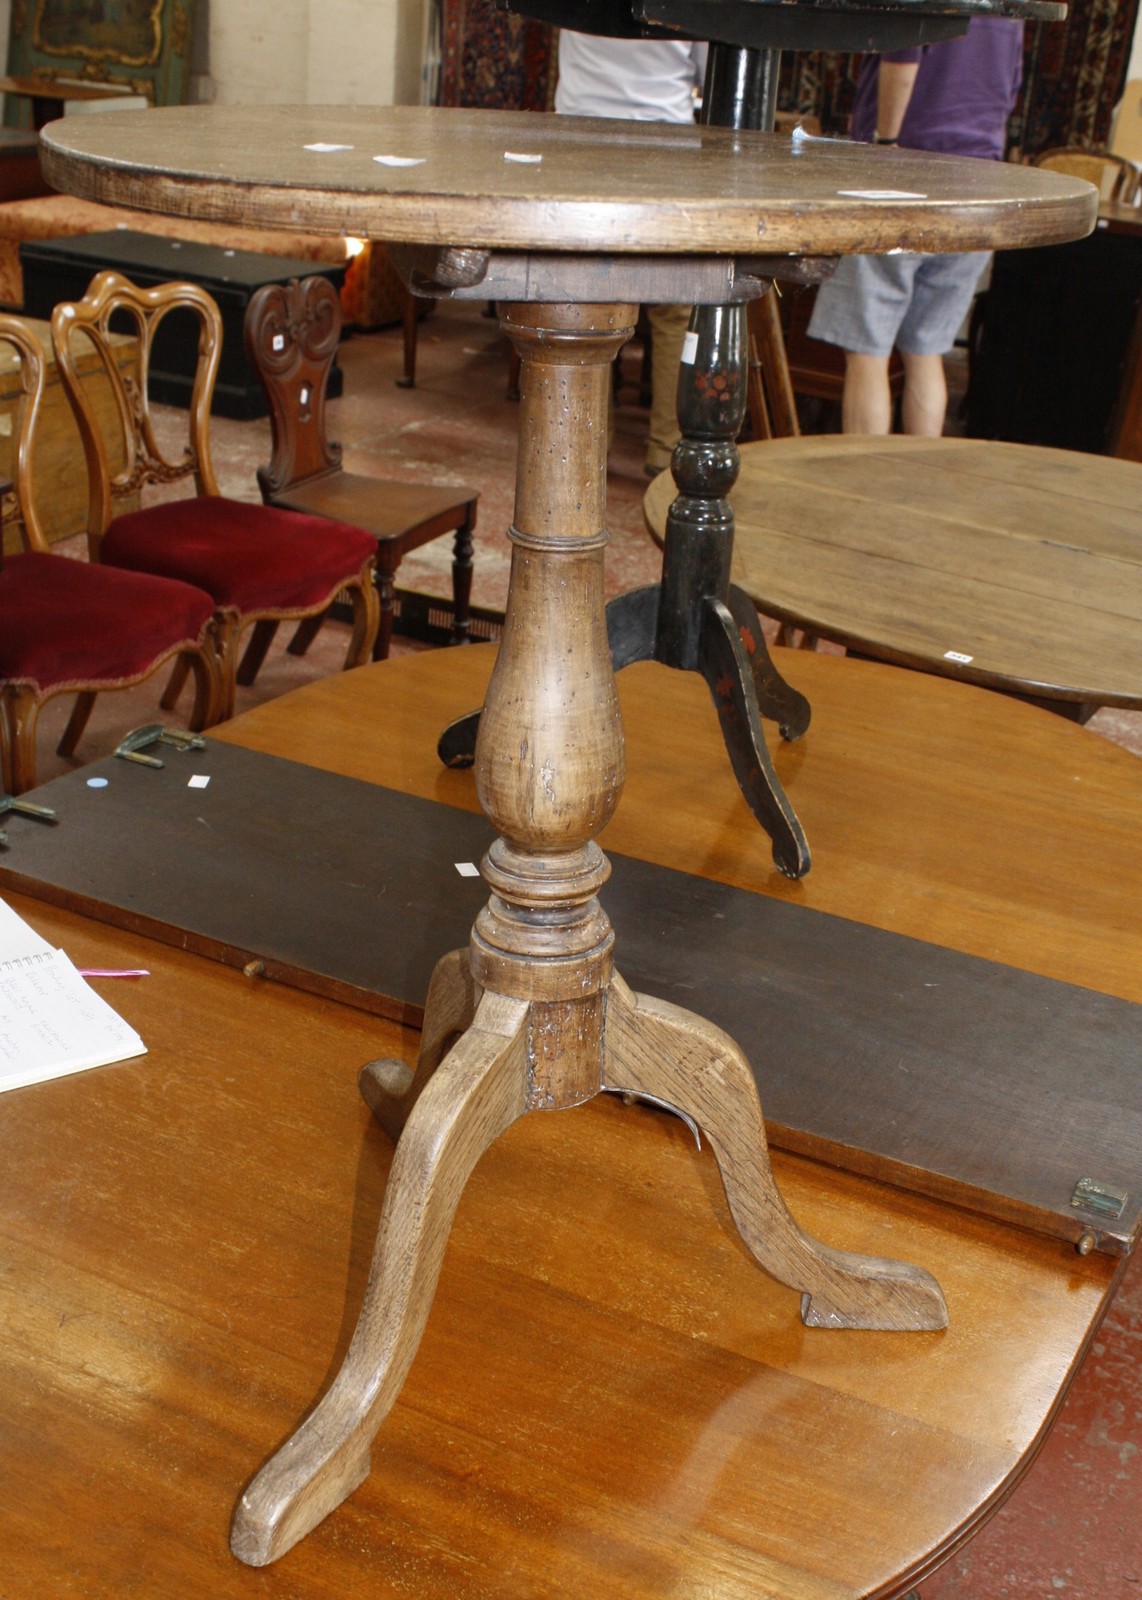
<point>947,1074</point>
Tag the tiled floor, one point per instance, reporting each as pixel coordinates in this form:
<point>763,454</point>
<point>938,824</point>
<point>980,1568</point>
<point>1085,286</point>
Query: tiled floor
<point>1074,1526</point>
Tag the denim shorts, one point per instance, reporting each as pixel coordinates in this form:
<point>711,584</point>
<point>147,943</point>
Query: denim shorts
<point>915,303</point>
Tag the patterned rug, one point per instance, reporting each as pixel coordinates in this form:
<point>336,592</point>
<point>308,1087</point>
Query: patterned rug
<point>492,59</point>
<point>1073,72</point>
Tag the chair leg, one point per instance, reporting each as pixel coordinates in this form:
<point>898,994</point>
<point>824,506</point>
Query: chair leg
<point>305,633</point>
<point>261,638</point>
<point>367,622</point>
<point>462,581</point>
<point>769,342</point>
<point>204,713</point>
<point>22,706</point>
<point>76,723</point>
<point>227,631</point>
<point>175,684</point>
<point>386,582</point>
<point>409,320</point>
<point>756,409</point>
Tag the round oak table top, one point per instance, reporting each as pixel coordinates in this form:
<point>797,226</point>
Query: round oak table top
<point>1002,564</point>
<point>518,180</point>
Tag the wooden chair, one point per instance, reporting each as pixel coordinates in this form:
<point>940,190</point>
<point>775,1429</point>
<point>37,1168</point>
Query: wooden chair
<point>1115,178</point>
<point>772,407</point>
<point>257,562</point>
<point>292,332</point>
<point>71,627</point>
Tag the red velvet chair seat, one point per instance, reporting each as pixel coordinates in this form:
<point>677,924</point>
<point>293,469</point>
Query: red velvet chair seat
<point>251,558</point>
<point>67,623</point>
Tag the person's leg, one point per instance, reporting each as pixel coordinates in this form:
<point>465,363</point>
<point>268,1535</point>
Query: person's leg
<point>941,299</point>
<point>668,325</point>
<point>925,402</point>
<point>866,404</point>
<point>859,309</point>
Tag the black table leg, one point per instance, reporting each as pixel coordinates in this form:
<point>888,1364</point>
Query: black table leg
<point>696,619</point>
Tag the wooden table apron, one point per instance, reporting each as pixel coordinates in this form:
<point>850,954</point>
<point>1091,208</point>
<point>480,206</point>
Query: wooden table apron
<point>540,1018</point>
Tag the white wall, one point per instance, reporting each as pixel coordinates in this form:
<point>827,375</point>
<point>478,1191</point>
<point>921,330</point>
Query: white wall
<point>316,52</point>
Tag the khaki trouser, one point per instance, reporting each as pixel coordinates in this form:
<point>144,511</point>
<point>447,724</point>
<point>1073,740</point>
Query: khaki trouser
<point>668,326</point>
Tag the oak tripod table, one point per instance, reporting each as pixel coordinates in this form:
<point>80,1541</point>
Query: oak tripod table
<point>571,223</point>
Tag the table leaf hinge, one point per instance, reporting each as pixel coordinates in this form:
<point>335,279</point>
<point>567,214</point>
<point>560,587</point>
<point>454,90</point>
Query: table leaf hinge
<point>1095,1194</point>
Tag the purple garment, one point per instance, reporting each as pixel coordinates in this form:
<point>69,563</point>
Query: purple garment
<point>965,91</point>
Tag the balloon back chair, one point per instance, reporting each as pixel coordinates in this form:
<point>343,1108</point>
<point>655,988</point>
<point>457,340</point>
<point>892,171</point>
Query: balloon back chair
<point>72,627</point>
<point>259,563</point>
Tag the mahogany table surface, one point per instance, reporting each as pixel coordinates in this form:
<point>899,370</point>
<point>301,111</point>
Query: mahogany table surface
<point>610,1399</point>
<point>1003,564</point>
<point>597,185</point>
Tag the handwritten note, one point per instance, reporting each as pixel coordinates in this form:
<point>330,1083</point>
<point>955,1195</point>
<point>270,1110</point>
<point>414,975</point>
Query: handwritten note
<point>51,1021</point>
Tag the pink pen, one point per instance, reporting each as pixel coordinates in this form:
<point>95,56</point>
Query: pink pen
<point>113,972</point>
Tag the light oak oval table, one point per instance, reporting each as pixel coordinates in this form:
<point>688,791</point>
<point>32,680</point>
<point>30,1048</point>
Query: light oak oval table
<point>610,1400</point>
<point>1007,565</point>
<point>534,1016</point>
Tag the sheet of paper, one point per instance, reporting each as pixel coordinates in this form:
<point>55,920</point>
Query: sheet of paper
<point>51,1021</point>
<point>17,939</point>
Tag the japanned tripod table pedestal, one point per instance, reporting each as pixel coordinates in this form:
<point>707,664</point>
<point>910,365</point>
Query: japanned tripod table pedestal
<point>572,223</point>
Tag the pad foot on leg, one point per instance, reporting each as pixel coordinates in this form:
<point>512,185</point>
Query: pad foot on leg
<point>456,746</point>
<point>479,1090</point>
<point>389,1087</point>
<point>659,1049</point>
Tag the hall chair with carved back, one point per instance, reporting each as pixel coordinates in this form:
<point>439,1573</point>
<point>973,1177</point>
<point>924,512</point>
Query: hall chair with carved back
<point>292,333</point>
<point>73,627</point>
<point>258,563</point>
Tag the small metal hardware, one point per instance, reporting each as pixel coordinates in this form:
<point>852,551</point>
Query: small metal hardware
<point>26,808</point>
<point>1103,1199</point>
<point>1087,1242</point>
<point>182,741</point>
<point>254,969</point>
<point>139,740</point>
<point>131,748</point>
